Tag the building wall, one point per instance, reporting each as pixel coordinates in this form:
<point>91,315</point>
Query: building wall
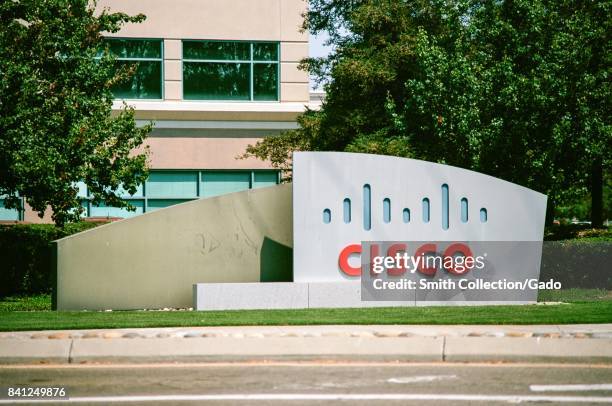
<point>202,152</point>
<point>26,213</point>
<point>237,20</point>
<point>31,216</point>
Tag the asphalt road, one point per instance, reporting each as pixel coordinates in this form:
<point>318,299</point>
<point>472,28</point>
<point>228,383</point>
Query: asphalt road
<point>314,383</point>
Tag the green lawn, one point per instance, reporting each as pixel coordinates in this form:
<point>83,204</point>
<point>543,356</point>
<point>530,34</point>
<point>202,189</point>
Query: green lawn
<point>25,303</point>
<point>598,309</point>
<point>574,295</point>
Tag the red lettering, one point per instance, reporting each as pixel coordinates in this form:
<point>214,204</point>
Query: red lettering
<point>343,260</point>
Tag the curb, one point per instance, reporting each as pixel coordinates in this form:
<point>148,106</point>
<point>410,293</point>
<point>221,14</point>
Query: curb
<point>232,349</point>
<point>33,351</point>
<point>549,343</point>
<point>404,349</point>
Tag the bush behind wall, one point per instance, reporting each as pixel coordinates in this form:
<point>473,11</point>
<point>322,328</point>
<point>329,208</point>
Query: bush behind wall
<point>25,256</point>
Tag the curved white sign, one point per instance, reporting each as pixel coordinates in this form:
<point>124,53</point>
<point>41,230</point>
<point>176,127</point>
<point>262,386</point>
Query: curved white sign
<point>341,199</point>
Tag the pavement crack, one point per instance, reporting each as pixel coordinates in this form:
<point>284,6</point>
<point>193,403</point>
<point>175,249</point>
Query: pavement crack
<point>70,351</point>
<point>443,348</point>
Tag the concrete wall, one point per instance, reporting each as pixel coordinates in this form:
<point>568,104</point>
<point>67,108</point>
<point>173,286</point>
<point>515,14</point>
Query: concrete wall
<point>152,261</point>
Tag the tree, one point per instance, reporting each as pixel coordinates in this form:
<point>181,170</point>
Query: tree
<point>497,87</point>
<point>56,127</point>
<point>556,94</point>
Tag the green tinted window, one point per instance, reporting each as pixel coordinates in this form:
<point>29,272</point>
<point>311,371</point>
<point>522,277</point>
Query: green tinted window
<point>265,51</point>
<point>166,188</point>
<point>157,204</point>
<point>146,58</point>
<point>172,184</point>
<point>129,48</point>
<point>265,179</point>
<point>144,84</point>
<point>108,211</point>
<point>8,214</point>
<point>216,81</point>
<point>224,70</point>
<point>219,183</point>
<point>217,50</point>
<point>265,81</point>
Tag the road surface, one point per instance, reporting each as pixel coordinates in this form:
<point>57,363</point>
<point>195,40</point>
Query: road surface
<point>314,383</point>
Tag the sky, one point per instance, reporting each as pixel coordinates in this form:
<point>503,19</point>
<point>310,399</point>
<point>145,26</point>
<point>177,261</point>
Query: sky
<point>317,49</point>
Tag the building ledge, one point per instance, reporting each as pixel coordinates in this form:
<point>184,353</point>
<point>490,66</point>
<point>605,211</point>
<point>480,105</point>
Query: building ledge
<point>170,105</point>
<point>201,110</point>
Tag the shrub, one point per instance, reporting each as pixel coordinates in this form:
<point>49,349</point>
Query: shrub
<point>25,256</point>
<point>578,232</point>
<point>579,263</point>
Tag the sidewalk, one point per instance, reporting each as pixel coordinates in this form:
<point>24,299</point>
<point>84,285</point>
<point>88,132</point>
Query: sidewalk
<point>590,343</point>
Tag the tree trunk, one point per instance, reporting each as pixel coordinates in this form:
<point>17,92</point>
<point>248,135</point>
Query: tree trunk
<point>550,212</point>
<point>597,194</point>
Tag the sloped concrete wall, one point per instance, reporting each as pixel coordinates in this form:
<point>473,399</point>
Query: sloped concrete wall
<point>152,261</point>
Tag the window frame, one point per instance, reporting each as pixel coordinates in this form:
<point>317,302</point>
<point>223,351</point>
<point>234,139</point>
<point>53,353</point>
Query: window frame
<point>144,197</point>
<point>160,60</point>
<point>251,62</point>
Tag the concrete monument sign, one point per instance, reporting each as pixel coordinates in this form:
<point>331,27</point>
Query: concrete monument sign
<point>342,199</point>
<point>234,251</point>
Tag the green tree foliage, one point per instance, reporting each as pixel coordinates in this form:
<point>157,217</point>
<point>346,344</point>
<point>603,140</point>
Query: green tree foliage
<point>516,89</point>
<point>56,127</point>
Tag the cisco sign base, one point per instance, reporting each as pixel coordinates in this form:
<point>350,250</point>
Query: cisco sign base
<point>282,295</point>
<point>296,295</point>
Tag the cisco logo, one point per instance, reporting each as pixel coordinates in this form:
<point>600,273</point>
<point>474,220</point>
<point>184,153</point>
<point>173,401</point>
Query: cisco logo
<point>343,199</point>
<point>347,214</point>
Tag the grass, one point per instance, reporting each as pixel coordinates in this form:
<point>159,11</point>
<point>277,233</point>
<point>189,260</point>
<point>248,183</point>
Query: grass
<point>574,295</point>
<point>597,310</point>
<point>25,303</point>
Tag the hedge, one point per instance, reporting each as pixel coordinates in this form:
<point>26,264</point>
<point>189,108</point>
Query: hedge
<point>25,256</point>
<point>580,263</point>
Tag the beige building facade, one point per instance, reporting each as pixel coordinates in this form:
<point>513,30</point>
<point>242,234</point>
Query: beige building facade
<point>213,76</point>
